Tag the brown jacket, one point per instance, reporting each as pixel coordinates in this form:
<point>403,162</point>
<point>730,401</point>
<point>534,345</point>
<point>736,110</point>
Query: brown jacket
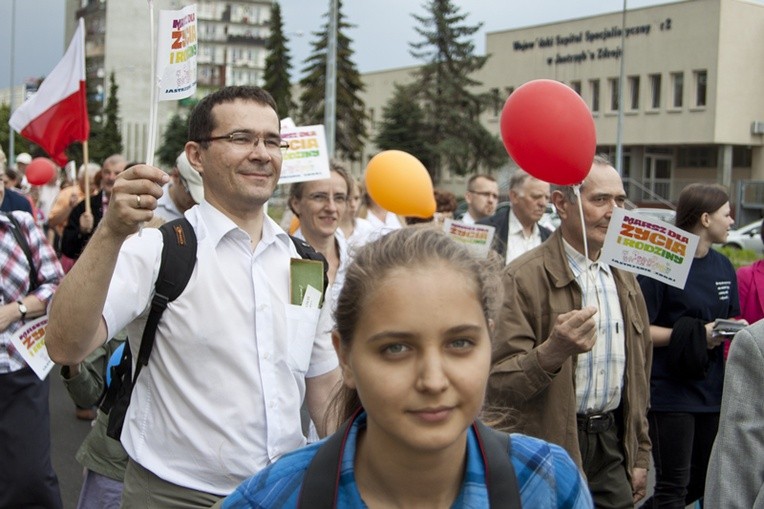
<point>538,287</point>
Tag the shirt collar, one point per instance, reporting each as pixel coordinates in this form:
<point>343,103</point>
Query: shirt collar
<point>516,227</point>
<point>577,261</point>
<point>218,225</point>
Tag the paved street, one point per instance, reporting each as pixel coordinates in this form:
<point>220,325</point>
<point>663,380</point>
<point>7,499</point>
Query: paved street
<point>67,433</point>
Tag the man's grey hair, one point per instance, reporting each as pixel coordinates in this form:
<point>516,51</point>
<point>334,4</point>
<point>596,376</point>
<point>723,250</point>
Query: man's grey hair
<point>568,192</point>
<point>517,179</point>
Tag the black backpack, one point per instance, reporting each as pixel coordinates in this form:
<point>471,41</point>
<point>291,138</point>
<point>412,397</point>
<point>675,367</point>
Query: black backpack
<point>177,265</point>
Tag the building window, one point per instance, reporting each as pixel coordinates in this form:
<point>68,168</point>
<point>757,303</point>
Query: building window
<point>595,87</point>
<point>697,157</point>
<point>576,86</point>
<point>742,157</point>
<point>613,85</point>
<point>701,79</point>
<point>634,92</point>
<point>655,91</point>
<point>677,85</point>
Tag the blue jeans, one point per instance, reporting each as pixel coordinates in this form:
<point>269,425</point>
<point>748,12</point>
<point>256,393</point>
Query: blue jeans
<point>681,448</point>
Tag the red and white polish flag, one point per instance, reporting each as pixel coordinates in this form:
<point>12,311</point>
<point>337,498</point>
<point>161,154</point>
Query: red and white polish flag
<point>57,114</point>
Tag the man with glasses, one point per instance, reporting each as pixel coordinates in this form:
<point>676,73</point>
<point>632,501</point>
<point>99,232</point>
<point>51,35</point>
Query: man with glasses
<point>482,197</point>
<point>517,226</point>
<point>233,359</point>
<point>184,190</point>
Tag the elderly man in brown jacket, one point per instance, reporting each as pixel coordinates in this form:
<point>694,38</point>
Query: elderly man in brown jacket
<point>572,374</point>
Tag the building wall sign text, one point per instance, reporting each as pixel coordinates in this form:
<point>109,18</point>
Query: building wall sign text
<point>589,37</point>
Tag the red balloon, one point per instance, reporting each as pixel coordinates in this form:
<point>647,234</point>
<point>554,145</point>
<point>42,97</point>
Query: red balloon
<point>549,132</point>
<point>40,171</point>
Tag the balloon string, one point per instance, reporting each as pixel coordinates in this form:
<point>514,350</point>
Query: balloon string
<point>587,262</point>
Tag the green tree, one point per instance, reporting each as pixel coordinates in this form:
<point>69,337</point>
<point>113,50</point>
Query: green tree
<point>278,63</point>
<point>110,141</point>
<point>444,83</point>
<point>403,127</point>
<point>20,144</point>
<point>173,140</point>
<point>350,110</point>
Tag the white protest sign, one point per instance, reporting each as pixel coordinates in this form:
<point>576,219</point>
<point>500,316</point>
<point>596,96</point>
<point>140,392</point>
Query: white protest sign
<point>307,157</point>
<point>476,237</point>
<point>177,47</point>
<point>29,341</point>
<point>648,246</point>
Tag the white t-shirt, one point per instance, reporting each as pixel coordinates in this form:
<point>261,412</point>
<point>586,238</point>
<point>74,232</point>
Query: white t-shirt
<point>220,398</point>
<point>166,208</point>
<point>362,233</point>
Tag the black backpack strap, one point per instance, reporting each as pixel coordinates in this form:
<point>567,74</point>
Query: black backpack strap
<point>178,260</point>
<point>307,252</point>
<point>503,490</point>
<point>21,240</point>
<point>320,485</point>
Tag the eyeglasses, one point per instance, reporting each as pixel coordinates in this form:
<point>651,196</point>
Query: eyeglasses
<point>485,194</point>
<point>323,198</point>
<point>246,140</point>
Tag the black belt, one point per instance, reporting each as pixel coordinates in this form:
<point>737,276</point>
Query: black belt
<point>595,423</point>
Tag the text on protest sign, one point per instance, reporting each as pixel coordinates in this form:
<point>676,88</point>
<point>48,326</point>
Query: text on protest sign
<point>176,53</point>
<point>648,246</point>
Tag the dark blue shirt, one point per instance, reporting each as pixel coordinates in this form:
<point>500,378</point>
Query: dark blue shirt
<point>710,293</point>
<point>15,201</point>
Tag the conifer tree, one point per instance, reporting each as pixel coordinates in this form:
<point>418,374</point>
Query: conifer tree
<point>403,128</point>
<point>350,109</point>
<point>110,141</point>
<point>444,83</point>
<point>173,140</point>
<point>278,65</point>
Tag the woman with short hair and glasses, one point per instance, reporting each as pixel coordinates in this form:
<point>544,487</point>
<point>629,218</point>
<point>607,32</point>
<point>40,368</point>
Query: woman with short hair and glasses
<point>319,204</point>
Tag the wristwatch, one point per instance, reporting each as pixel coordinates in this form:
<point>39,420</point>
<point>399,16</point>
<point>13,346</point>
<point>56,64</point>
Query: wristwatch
<point>22,309</point>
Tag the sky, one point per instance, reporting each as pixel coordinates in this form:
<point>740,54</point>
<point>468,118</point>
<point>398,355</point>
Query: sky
<point>381,36</point>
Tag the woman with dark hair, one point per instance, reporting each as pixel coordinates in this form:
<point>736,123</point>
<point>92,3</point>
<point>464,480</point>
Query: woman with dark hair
<point>688,364</point>
<point>414,325</point>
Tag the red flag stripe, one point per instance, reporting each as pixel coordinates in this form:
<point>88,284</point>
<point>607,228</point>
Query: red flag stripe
<point>59,125</point>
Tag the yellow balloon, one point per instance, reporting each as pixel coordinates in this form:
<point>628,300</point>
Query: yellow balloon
<point>400,183</point>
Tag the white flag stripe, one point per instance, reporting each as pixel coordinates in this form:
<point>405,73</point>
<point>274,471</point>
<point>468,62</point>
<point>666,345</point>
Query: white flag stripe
<point>63,81</point>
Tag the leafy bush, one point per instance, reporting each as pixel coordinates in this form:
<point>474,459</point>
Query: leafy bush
<point>739,257</point>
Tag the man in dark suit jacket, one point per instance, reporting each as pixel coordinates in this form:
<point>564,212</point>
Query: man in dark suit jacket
<point>517,225</point>
<point>82,224</point>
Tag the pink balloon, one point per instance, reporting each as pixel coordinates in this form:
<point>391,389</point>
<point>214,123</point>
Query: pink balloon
<point>40,171</point>
<point>549,132</point>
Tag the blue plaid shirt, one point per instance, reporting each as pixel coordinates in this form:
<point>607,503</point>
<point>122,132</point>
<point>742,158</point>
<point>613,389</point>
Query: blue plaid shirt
<point>14,278</point>
<point>546,476</point>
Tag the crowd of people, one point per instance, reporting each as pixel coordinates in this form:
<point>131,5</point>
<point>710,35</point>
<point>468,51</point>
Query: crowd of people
<point>421,376</point>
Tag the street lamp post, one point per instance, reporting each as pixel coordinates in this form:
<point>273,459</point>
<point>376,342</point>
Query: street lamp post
<point>330,97</point>
<point>12,137</point>
<point>619,128</point>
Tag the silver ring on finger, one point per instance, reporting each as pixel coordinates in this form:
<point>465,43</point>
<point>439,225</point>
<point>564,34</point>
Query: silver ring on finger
<point>138,201</point>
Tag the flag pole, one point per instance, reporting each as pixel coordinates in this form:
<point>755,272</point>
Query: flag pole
<point>150,146</point>
<point>85,161</point>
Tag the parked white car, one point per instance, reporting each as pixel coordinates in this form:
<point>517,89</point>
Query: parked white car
<point>746,237</point>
